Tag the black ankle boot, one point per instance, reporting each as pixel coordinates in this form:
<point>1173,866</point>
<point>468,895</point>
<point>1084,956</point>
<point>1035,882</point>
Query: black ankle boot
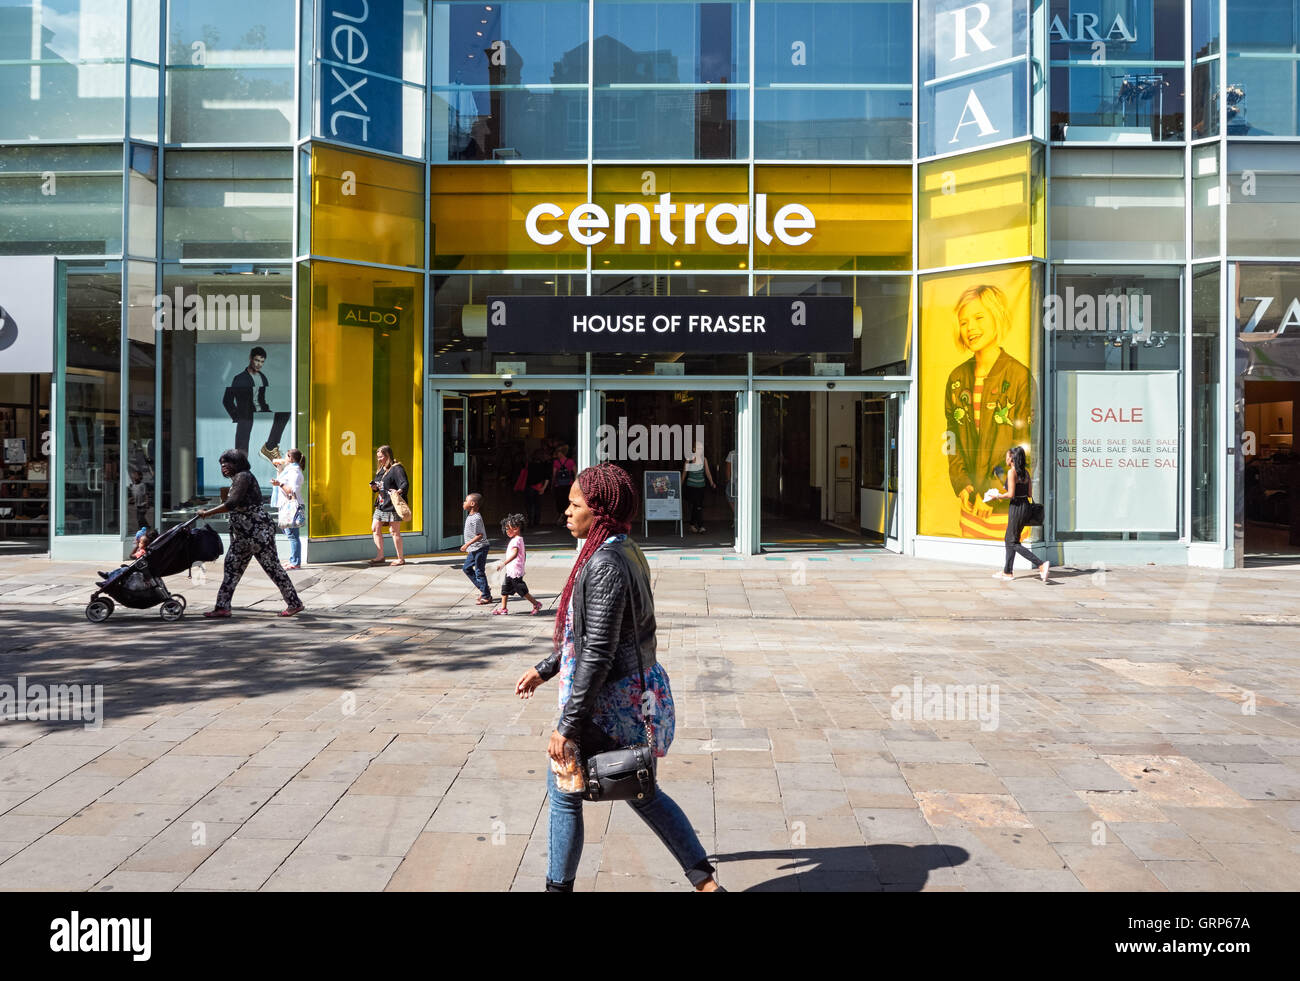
<point>558,886</point>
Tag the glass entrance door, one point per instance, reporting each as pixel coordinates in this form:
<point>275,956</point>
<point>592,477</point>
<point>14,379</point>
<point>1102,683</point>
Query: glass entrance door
<point>454,410</point>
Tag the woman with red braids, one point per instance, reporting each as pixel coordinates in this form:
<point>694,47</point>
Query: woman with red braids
<point>602,691</point>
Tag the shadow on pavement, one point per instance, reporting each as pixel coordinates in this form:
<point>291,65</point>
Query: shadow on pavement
<point>851,868</point>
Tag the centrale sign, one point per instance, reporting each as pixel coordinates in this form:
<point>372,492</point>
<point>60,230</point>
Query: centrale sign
<point>724,224</point>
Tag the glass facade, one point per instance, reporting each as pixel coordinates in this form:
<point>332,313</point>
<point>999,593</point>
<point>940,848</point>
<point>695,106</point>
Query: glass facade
<point>1053,203</point>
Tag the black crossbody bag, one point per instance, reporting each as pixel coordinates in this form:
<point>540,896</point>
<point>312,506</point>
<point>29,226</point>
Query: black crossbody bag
<point>627,773</point>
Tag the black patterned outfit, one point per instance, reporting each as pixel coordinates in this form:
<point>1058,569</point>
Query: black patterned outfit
<point>252,535</point>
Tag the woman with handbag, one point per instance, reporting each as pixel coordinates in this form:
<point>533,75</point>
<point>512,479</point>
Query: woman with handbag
<point>252,535</point>
<point>391,487</point>
<point>613,692</point>
<point>1018,491</point>
<point>287,499</point>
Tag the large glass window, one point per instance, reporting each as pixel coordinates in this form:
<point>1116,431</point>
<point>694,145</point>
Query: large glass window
<point>1117,70</point>
<point>142,200</point>
<point>230,71</point>
<point>833,81</point>
<point>1116,358</point>
<point>228,204</point>
<point>1116,204</point>
<point>459,324</point>
<point>90,407</point>
<point>367,208</point>
<point>1263,68</point>
<point>367,390</point>
<point>1263,200</point>
<point>981,207</point>
<point>510,80</point>
<point>1206,67</point>
<point>61,200</point>
<point>670,80</point>
<point>62,69</point>
<point>142,357</point>
<point>863,215</point>
<point>215,325</point>
<point>882,325</point>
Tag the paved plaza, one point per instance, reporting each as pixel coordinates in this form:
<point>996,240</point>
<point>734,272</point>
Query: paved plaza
<point>846,720</point>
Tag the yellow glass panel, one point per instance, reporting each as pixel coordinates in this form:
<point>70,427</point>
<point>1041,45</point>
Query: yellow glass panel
<point>367,368</point>
<point>367,208</point>
<point>700,188</point>
<point>863,214</point>
<point>477,216</point>
<point>978,384</point>
<point>981,207</point>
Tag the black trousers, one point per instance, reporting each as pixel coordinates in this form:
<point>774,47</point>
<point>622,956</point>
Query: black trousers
<point>695,498</point>
<point>244,428</point>
<point>1015,525</point>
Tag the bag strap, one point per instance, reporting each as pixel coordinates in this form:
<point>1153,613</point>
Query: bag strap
<point>626,571</point>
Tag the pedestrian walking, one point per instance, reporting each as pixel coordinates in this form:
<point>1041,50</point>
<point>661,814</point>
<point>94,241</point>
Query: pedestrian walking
<point>513,565</point>
<point>389,477</point>
<point>538,479</point>
<point>694,476</point>
<point>252,535</point>
<point>475,547</point>
<point>604,637</point>
<point>1019,487</point>
<point>563,470</point>
<point>288,497</point>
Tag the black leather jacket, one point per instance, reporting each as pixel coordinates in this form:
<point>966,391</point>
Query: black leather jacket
<point>602,630</point>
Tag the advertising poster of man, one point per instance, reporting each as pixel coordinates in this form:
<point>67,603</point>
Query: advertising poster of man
<point>978,395</point>
<point>241,401</point>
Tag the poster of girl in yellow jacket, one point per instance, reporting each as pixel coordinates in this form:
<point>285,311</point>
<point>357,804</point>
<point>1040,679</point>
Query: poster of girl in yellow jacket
<point>978,396</point>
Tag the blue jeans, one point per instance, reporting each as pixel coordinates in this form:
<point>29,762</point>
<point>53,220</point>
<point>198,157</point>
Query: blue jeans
<point>295,546</point>
<point>663,816</point>
<point>474,567</point>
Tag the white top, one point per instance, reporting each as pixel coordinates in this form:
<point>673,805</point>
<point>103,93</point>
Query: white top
<point>291,481</point>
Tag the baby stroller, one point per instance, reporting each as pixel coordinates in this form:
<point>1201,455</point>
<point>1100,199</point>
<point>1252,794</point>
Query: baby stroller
<point>139,584</point>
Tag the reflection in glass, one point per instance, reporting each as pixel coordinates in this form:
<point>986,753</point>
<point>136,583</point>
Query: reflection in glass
<point>1113,204</point>
<point>1263,84</point>
<point>1263,200</point>
<point>1205,201</point>
<point>833,80</point>
<point>55,82</point>
<point>228,204</point>
<point>61,200</point>
<point>1121,79</point>
<point>230,72</point>
<point>510,80</point>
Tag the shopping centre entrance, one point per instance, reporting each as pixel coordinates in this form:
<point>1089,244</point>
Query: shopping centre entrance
<point>828,469</point>
<point>501,443</point>
<point>25,465</point>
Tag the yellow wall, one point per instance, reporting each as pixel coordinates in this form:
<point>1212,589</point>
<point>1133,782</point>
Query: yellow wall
<point>366,208</point>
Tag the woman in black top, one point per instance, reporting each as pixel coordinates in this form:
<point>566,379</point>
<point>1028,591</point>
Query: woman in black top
<point>252,535</point>
<point>391,476</point>
<point>1018,490</point>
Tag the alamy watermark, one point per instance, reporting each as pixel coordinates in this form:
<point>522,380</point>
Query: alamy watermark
<point>237,312</point>
<point>640,442</point>
<point>52,703</point>
<point>946,703</point>
<point>1120,313</point>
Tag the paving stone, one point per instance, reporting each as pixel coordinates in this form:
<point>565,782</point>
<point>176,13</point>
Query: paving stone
<point>303,872</point>
<point>241,864</point>
<point>487,806</point>
<point>1161,842</point>
<point>971,810</point>
<point>66,863</point>
<point>894,825</point>
<point>178,850</point>
<point>1108,868</point>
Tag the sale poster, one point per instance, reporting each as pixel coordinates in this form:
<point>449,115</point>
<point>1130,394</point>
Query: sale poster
<point>1117,451</point>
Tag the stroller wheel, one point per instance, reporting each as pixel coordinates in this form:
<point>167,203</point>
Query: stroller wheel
<point>99,610</point>
<point>172,610</point>
<point>180,599</point>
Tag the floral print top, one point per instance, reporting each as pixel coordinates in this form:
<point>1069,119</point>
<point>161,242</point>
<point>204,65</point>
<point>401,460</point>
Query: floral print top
<point>618,709</point>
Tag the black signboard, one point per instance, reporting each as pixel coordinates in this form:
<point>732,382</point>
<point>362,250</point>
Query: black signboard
<point>635,324</point>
